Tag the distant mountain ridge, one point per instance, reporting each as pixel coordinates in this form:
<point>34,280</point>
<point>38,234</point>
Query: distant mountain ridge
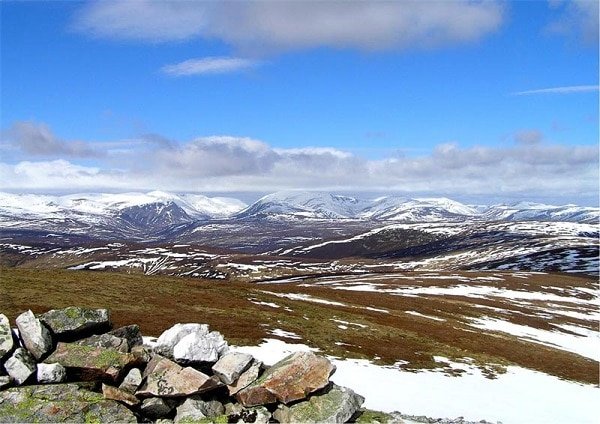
<point>148,215</point>
<point>323,205</point>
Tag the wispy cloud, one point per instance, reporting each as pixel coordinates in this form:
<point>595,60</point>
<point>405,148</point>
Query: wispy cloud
<point>209,65</point>
<point>259,26</point>
<point>560,90</point>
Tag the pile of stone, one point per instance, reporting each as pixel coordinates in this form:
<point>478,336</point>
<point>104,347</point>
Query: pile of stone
<point>70,365</point>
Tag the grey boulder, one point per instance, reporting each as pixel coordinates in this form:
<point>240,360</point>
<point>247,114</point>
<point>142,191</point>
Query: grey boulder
<point>6,337</point>
<point>51,373</point>
<point>231,365</point>
<point>335,406</point>
<point>20,366</point>
<point>197,347</point>
<point>74,323</point>
<point>197,409</point>
<point>106,341</point>
<point>156,407</point>
<point>35,336</point>
<point>132,381</point>
<point>131,333</point>
<point>168,339</point>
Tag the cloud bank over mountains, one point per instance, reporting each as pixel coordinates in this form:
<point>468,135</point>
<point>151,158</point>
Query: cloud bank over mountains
<point>39,160</point>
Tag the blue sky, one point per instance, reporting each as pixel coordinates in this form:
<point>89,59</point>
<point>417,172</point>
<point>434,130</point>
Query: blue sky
<point>471,100</point>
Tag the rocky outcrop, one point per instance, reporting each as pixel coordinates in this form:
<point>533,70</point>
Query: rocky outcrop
<point>60,403</point>
<point>35,336</point>
<point>189,376</point>
<point>75,323</point>
<point>293,378</point>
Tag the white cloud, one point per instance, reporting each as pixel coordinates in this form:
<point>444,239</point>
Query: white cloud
<point>225,163</point>
<point>260,26</point>
<point>209,65</point>
<point>560,90</point>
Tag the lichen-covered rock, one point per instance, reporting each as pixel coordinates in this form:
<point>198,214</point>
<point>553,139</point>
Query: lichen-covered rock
<point>293,378</point>
<point>91,363</point>
<point>231,366</point>
<point>195,409</point>
<point>74,323</point>
<point>248,377</point>
<point>6,338</point>
<point>376,417</point>
<point>51,373</point>
<point>165,378</point>
<point>132,381</point>
<point>169,338</point>
<point>335,406</point>
<point>20,366</point>
<point>35,336</point>
<point>105,341</point>
<point>131,333</point>
<point>114,393</point>
<point>156,407</point>
<point>197,347</point>
<point>60,403</point>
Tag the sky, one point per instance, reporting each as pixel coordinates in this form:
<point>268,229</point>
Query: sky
<point>480,101</point>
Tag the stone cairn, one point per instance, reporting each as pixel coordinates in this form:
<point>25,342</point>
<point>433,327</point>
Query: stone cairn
<point>68,365</point>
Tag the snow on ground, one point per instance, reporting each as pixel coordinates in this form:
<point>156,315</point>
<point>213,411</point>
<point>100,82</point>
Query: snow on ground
<point>270,304</point>
<point>339,321</point>
<point>282,333</point>
<point>586,344</point>
<point>304,297</point>
<point>518,396</point>
<point>417,314</point>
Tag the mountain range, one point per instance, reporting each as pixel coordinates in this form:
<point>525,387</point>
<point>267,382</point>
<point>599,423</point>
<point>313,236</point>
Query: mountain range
<point>156,210</point>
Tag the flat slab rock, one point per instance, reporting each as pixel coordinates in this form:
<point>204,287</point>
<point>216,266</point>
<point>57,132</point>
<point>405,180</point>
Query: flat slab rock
<point>338,405</point>
<point>293,378</point>
<point>60,403</point>
<point>165,378</point>
<point>73,322</point>
<point>91,363</point>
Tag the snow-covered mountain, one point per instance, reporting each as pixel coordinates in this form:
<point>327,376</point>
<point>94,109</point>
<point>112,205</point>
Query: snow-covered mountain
<point>123,214</point>
<point>321,205</point>
<point>417,210</point>
<point>528,211</point>
<point>304,204</point>
<point>161,215</point>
